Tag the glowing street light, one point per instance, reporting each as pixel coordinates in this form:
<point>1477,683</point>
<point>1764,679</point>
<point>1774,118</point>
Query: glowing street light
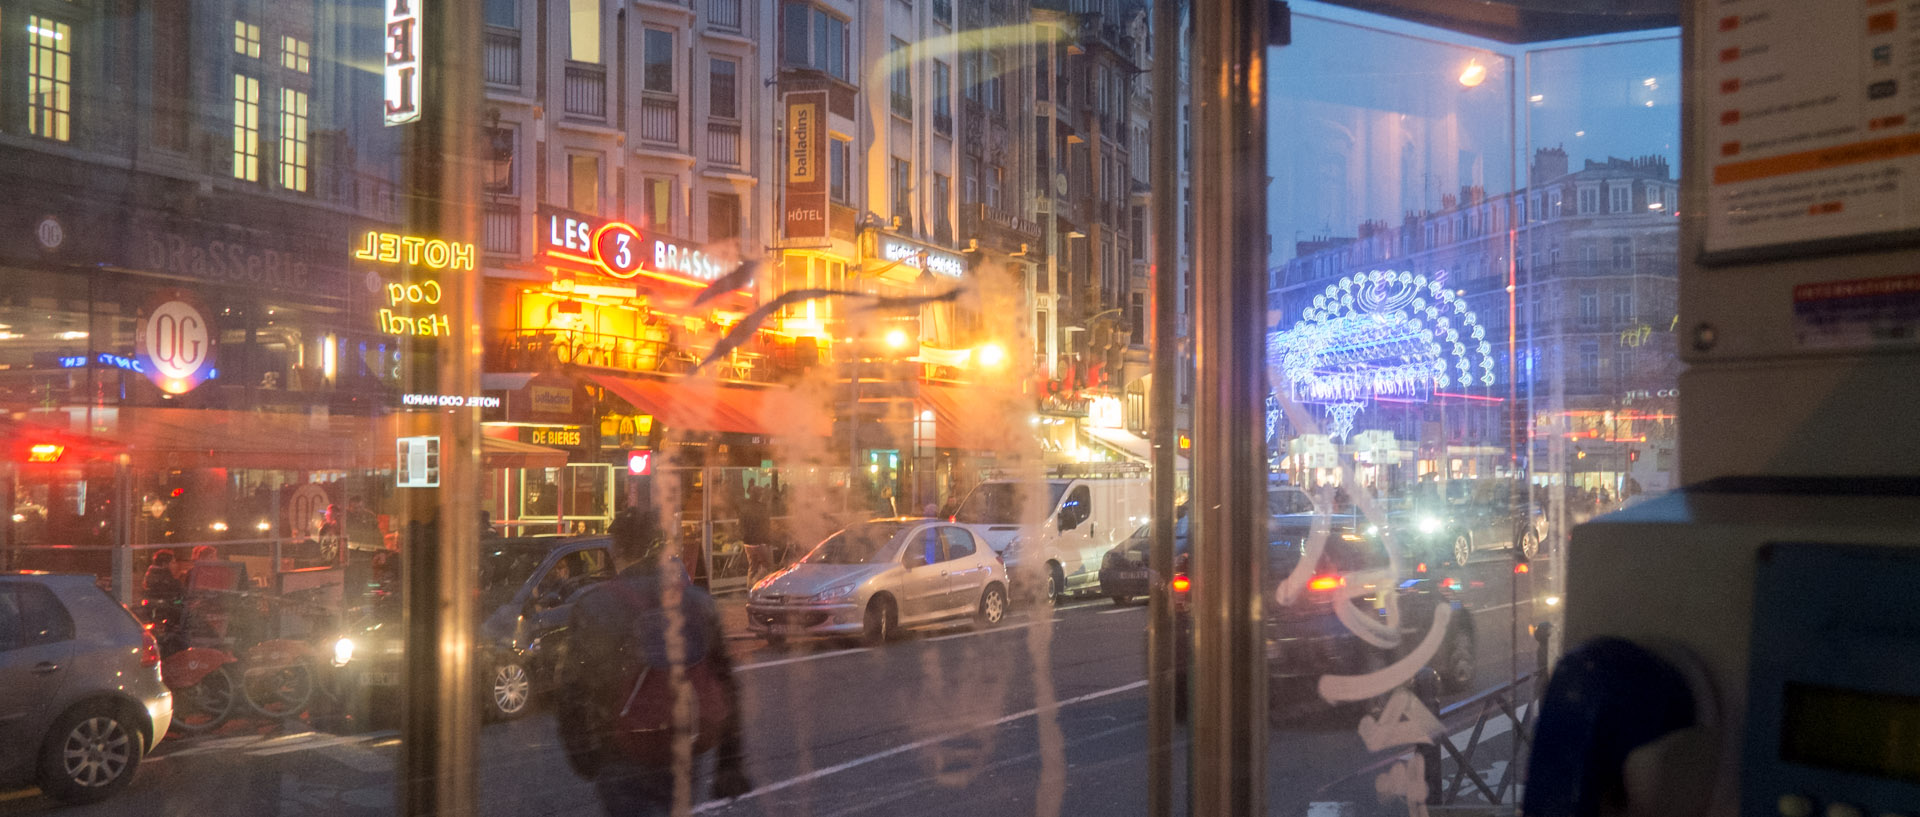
<point>992,355</point>
<point>897,339</point>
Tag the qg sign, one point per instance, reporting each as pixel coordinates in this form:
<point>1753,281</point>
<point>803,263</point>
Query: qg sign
<point>176,341</point>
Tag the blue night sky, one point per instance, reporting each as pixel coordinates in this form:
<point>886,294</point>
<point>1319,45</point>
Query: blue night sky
<point>1369,119</point>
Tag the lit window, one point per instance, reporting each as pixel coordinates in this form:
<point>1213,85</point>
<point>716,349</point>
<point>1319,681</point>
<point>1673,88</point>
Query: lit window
<point>49,78</point>
<point>583,182</point>
<point>246,39</point>
<point>656,202</point>
<point>296,54</point>
<point>583,30</point>
<point>293,140</point>
<point>246,128</point>
<point>839,166</point>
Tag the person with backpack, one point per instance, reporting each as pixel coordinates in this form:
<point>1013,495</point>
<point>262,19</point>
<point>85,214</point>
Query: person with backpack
<point>636,644</point>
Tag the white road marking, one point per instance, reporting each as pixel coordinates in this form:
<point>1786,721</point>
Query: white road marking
<point>1118,610</point>
<point>814,657</point>
<point>303,745</point>
<point>914,746</point>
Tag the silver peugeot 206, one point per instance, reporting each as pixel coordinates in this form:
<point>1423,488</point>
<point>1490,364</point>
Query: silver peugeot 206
<point>875,578</point>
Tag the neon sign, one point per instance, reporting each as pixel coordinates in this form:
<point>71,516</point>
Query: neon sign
<point>175,342</point>
<point>108,359</point>
<point>402,64</point>
<point>393,248</point>
<point>1380,334</point>
<point>617,249</point>
<point>427,293</point>
<point>935,261</point>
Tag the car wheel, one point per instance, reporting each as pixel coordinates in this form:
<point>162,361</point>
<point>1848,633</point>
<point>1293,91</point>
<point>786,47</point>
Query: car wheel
<point>1056,584</point>
<point>1529,543</point>
<point>1456,661</point>
<point>509,691</point>
<point>993,606</point>
<point>880,622</point>
<point>1462,549</point>
<point>91,752</point>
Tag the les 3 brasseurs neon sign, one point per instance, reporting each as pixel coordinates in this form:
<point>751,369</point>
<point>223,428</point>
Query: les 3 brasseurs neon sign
<point>617,249</point>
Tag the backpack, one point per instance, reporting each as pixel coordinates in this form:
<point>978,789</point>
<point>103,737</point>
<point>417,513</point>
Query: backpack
<point>643,724</point>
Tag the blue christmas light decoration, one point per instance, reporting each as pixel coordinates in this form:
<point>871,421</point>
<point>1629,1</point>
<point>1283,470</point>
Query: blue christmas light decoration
<point>1381,333</point>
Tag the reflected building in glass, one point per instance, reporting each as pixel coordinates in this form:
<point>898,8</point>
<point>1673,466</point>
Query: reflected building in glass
<point>1593,269</point>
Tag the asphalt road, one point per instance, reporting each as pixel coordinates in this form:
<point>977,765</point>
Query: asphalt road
<point>1045,716</point>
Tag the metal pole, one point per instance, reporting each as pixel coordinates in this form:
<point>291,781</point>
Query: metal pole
<point>439,729</point>
<point>1164,179</point>
<point>123,529</point>
<point>1229,513</point>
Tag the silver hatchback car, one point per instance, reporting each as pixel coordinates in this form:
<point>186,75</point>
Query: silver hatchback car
<point>81,700</point>
<point>874,578</point>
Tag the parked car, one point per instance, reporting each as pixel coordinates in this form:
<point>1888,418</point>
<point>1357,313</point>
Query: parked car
<point>1305,638</point>
<point>81,700</point>
<point>526,590</point>
<point>1054,532</point>
<point>874,578</point>
<point>1124,572</point>
<point>1475,516</point>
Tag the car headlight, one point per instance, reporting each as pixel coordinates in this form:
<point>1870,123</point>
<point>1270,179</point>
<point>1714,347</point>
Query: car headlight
<point>1373,530</point>
<point>1429,524</point>
<point>342,651</point>
<point>836,593</point>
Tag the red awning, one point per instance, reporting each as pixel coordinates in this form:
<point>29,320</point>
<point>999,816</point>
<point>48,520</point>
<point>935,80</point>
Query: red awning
<point>970,419</point>
<point>702,405</point>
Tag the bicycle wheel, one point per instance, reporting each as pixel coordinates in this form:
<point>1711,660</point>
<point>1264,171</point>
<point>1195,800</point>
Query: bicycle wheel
<point>278,691</point>
<point>205,705</point>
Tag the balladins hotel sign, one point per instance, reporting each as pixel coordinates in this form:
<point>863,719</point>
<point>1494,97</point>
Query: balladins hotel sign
<point>403,62</point>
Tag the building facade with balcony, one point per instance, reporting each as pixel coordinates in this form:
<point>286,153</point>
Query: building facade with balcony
<point>1086,118</point>
<point>1591,256</point>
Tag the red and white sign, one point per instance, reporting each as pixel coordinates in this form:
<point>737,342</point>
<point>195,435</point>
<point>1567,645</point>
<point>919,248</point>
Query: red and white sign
<point>640,463</point>
<point>176,341</point>
<point>402,71</point>
<point>616,248</point>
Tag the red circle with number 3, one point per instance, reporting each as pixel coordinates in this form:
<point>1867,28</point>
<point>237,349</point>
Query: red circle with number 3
<point>616,246</point>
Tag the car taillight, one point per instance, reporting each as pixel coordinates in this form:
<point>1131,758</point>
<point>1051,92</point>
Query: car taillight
<point>149,649</point>
<point>1328,582</point>
<point>1522,568</point>
<point>1181,583</point>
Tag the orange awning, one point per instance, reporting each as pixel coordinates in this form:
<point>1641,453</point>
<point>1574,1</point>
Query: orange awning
<point>701,405</point>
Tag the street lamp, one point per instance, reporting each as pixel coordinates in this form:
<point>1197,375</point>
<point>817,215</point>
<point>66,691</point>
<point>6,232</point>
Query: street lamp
<point>991,355</point>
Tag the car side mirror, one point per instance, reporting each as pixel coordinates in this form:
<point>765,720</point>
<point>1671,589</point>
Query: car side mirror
<point>916,558</point>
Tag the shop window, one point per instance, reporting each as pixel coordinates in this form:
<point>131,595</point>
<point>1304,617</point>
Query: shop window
<point>49,78</point>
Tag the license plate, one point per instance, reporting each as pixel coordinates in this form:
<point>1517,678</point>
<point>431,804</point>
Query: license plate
<point>1130,575</point>
<point>383,679</point>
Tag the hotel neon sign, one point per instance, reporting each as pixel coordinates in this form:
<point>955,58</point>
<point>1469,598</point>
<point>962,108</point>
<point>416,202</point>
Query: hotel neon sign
<point>403,297</point>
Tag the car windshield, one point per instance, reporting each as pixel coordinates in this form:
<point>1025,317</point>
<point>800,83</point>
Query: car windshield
<point>1003,503</point>
<point>503,570</point>
<point>857,545</point>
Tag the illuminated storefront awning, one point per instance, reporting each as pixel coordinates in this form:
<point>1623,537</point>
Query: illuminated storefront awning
<point>697,405</point>
<point>499,453</point>
<point>1129,445</point>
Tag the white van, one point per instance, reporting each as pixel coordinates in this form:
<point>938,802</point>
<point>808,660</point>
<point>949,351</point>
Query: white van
<point>1054,532</point>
